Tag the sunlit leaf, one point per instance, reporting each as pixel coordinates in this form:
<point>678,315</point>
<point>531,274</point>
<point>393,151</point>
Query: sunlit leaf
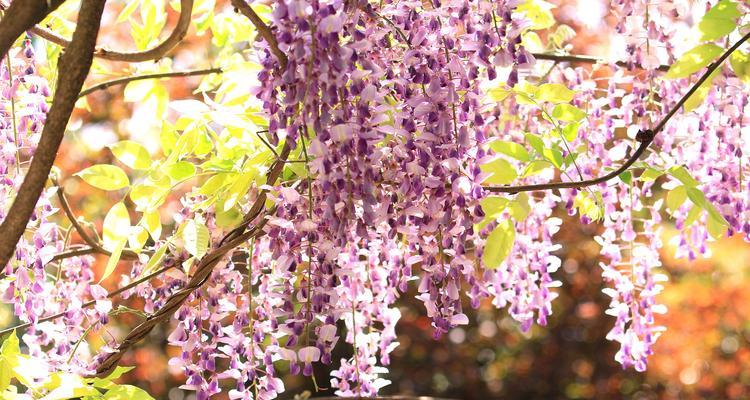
<point>132,154</point>
<point>498,245</point>
<point>105,177</point>
<point>694,60</point>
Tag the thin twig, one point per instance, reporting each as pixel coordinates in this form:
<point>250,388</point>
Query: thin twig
<point>161,75</point>
<point>644,137</point>
<point>155,53</point>
<point>573,58</point>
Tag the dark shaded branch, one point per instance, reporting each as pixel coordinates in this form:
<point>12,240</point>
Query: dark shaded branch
<point>263,29</point>
<point>91,303</point>
<point>161,75</point>
<point>20,16</point>
<point>572,58</point>
<point>644,137</point>
<point>155,53</point>
<point>74,66</point>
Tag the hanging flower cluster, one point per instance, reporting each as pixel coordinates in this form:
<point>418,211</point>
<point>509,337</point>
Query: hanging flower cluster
<point>400,116</point>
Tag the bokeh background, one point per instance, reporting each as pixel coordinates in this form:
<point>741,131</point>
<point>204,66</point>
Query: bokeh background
<point>704,354</point>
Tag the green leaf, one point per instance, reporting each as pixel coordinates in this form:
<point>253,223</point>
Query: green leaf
<point>538,12</point>
<point>694,60</point>
<point>137,238</point>
<point>502,172</point>
<point>105,177</point>
<point>700,94</point>
<point>131,154</point>
<point>155,259</point>
<point>126,392</point>
<point>68,386</point>
<point>180,171</point>
<point>493,207</point>
<point>693,215</point>
<point>676,197</point>
<point>147,197</point>
<point>683,176</point>
<point>499,244</point>
<point>8,359</point>
<point>536,167</point>
<point>650,174</point>
<point>626,177</point>
<point>152,222</point>
<point>113,260</point>
<point>570,131</point>
<point>196,238</point>
<point>740,62</point>
<point>719,21</point>
<point>567,112</point>
<point>116,226</point>
<point>554,156</point>
<point>535,142</point>
<point>699,199</point>
<point>510,149</point>
<point>519,207</point>
<point>554,93</point>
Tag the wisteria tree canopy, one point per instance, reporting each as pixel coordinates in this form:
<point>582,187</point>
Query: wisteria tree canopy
<point>334,154</point>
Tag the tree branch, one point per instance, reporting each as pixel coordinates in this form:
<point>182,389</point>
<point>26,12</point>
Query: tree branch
<point>174,38</point>
<point>572,58</point>
<point>644,137</point>
<point>95,246</point>
<point>263,29</point>
<point>161,75</point>
<point>203,271</point>
<point>74,66</point>
<point>111,294</point>
<point>20,16</point>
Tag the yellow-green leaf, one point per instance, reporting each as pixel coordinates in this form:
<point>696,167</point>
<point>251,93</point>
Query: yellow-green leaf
<point>719,21</point>
<point>113,259</point>
<point>567,112</point>
<point>694,60</point>
<point>499,244</point>
<point>105,177</point>
<point>676,197</point>
<point>132,154</point>
<point>554,93</point>
<point>196,238</point>
<point>502,172</point>
<point>116,226</point>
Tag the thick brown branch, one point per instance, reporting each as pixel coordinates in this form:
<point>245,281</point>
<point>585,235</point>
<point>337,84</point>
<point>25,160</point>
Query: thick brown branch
<point>111,294</point>
<point>263,29</point>
<point>155,53</point>
<point>572,58</point>
<point>644,137</point>
<point>161,75</point>
<point>74,65</point>
<point>19,17</point>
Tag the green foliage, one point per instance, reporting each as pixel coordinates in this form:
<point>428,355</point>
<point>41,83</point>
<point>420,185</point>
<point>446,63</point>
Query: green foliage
<point>19,369</point>
<point>694,60</point>
<point>719,21</point>
<point>499,243</point>
<point>105,177</point>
